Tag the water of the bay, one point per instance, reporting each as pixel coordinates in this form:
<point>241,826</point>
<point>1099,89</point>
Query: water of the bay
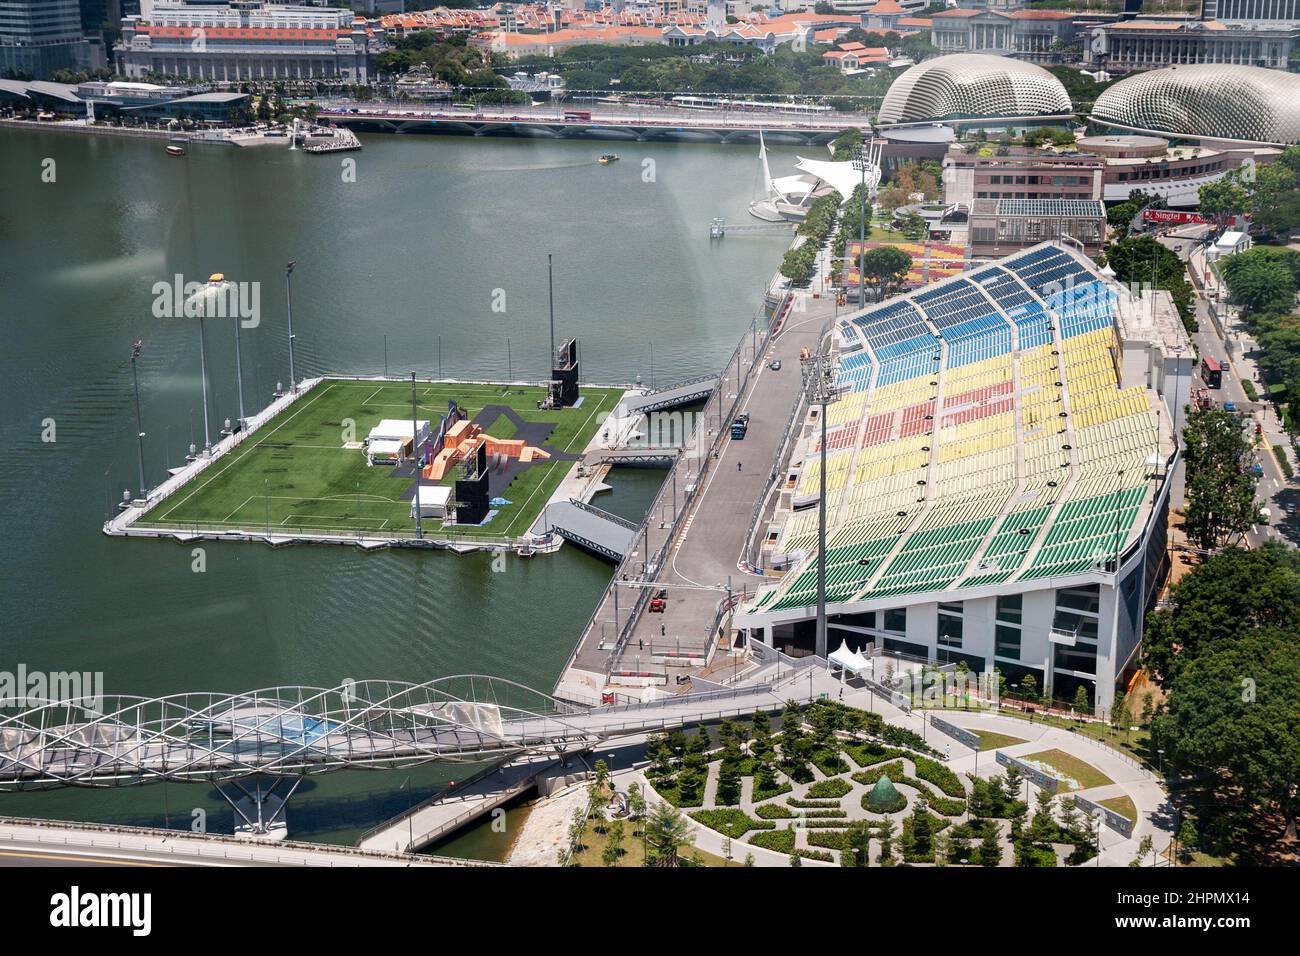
<point>432,234</point>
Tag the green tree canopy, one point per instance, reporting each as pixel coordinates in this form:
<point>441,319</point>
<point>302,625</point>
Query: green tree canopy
<point>1233,709</point>
<point>886,269</point>
<point>1221,503</point>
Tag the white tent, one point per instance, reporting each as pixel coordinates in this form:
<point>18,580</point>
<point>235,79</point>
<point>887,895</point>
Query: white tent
<point>433,501</point>
<point>384,450</point>
<point>847,660</point>
<point>398,429</point>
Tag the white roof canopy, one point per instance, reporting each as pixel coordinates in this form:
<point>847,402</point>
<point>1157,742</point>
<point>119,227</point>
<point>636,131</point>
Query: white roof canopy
<point>849,660</point>
<point>843,177</point>
<point>383,447</point>
<point>395,429</point>
<point>435,495</point>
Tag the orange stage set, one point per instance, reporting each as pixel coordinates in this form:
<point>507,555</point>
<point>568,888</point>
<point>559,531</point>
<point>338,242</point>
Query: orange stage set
<point>461,442</point>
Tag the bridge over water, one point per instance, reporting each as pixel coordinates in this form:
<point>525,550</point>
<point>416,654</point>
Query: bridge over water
<point>294,731</point>
<point>606,123</point>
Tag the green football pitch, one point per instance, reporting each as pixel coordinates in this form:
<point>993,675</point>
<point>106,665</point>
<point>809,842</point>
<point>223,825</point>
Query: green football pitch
<point>295,474</point>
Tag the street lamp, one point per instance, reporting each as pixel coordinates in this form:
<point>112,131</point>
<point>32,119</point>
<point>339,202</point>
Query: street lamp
<point>821,390</point>
<point>139,430</point>
<point>861,160</point>
<point>203,376</point>
<point>239,371</point>
<point>288,285</point>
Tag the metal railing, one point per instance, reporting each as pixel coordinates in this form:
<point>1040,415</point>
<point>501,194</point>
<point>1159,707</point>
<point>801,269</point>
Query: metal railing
<point>741,383</point>
<point>213,845</point>
<point>685,500</point>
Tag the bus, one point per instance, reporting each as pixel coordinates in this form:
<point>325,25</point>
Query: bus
<point>1212,372</point>
<point>577,116</point>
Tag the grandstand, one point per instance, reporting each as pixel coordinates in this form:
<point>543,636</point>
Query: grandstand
<point>988,481</point>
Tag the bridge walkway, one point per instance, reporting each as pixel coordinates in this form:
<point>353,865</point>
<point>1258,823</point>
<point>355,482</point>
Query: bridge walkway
<point>446,812</point>
<point>670,396</point>
<point>592,528</point>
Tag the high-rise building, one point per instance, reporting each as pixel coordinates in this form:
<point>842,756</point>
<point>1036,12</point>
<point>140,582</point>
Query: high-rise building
<point>39,37</point>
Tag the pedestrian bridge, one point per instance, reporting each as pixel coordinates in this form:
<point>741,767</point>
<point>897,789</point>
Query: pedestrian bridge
<point>118,741</point>
<point>592,528</point>
<point>672,396</point>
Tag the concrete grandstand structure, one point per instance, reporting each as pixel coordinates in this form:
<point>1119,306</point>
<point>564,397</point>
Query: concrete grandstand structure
<point>996,476</point>
<point>1229,102</point>
<point>974,86</point>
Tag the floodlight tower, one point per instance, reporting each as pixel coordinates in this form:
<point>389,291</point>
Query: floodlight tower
<point>821,390</point>
<point>203,375</point>
<point>861,160</point>
<point>288,284</point>
<point>139,430</point>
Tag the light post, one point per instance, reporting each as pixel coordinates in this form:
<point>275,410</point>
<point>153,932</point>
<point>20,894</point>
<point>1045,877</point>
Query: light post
<point>203,376</point>
<point>139,430</point>
<point>415,457</point>
<point>820,388</point>
<point>239,372</point>
<point>288,284</point>
<point>860,161</point>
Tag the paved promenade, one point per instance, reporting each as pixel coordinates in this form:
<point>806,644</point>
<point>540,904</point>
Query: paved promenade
<point>53,843</point>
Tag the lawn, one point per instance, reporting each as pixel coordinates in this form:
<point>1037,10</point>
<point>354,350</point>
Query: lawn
<point>1123,806</point>
<point>990,740</point>
<point>1085,774</point>
<point>634,850</point>
<point>294,473</point>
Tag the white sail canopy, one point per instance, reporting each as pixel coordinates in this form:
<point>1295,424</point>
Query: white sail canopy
<point>843,177</point>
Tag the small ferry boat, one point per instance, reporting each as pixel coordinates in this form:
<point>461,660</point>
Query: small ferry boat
<point>175,150</point>
<point>608,158</point>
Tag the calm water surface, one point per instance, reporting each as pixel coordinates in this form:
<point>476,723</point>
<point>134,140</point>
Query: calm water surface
<point>418,249</point>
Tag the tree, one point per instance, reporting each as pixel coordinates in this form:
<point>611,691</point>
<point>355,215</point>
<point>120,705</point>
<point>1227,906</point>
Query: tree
<point>1233,711</point>
<point>886,268</point>
<point>1227,598</point>
<point>666,833</point>
<point>635,802</point>
<point>1226,196</point>
<point>913,227</point>
<point>922,832</point>
<point>990,852</point>
<point>1221,503</point>
<point>1043,827</point>
<point>1081,703</point>
<point>613,844</point>
<point>1029,688</point>
<point>1186,840</point>
<point>857,846</point>
<point>886,834</point>
<point>1141,261</point>
<point>1261,280</point>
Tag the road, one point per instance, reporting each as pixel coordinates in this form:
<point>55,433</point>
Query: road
<point>609,114</point>
<point>709,548</point>
<point>1278,494</point>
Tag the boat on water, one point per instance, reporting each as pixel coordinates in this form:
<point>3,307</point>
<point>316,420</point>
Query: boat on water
<point>175,150</point>
<point>608,158</point>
